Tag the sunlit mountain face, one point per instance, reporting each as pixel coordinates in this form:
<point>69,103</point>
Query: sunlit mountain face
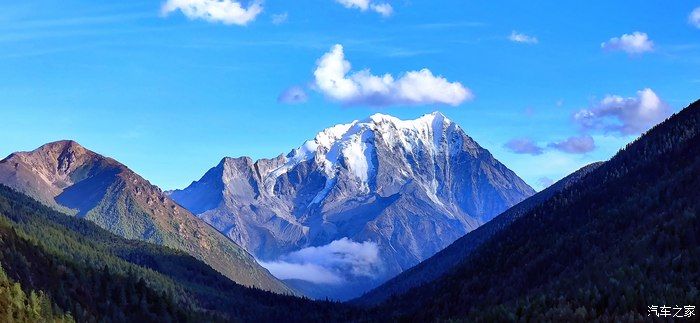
<point>357,204</point>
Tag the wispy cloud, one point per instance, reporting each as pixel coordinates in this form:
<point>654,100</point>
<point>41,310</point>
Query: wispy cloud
<point>76,21</point>
<point>575,145</point>
<point>624,116</point>
<point>334,263</point>
<point>24,29</point>
<point>635,43</point>
<point>34,36</point>
<point>524,146</point>
<point>522,38</point>
<point>405,52</point>
<point>228,12</point>
<point>280,18</point>
<point>452,24</point>
<point>572,145</point>
<point>332,78</point>
<point>382,8</point>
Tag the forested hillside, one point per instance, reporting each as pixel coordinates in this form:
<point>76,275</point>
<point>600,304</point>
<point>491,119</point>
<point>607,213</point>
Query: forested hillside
<point>623,238</point>
<point>97,276</point>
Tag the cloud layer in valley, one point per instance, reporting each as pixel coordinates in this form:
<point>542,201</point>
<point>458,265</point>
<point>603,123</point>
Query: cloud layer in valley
<point>334,79</point>
<point>382,8</point>
<point>635,43</point>
<point>229,12</point>
<point>624,116</point>
<point>333,263</point>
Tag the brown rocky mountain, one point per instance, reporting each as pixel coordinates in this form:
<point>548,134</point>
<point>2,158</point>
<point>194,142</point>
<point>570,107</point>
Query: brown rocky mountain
<point>77,181</point>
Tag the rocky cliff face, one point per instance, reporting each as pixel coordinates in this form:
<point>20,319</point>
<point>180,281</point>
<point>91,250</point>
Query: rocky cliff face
<point>409,187</point>
<point>70,178</point>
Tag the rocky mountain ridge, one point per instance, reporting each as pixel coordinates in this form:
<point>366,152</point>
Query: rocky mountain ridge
<point>77,181</point>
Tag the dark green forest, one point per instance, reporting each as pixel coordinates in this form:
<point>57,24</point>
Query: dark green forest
<point>94,275</point>
<point>623,238</point>
<point>18,306</point>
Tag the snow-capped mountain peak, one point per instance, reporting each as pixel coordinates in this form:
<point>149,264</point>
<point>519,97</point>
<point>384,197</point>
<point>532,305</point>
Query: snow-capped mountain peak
<point>409,186</point>
<point>354,137</point>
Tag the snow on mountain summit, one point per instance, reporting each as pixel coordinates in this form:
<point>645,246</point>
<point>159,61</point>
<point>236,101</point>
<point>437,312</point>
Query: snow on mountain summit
<point>409,186</point>
<point>352,143</point>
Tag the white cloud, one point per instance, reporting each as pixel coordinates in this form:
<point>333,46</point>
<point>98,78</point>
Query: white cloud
<point>280,18</point>
<point>694,18</point>
<point>522,38</point>
<point>229,12</point>
<point>383,8</point>
<point>412,88</point>
<point>625,116</point>
<point>333,263</point>
<point>636,43</point>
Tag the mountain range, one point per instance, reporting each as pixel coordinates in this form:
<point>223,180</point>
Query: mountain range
<point>359,203</point>
<point>601,244</point>
<point>74,180</point>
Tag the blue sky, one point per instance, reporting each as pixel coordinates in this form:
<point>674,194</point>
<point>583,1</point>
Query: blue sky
<point>170,95</point>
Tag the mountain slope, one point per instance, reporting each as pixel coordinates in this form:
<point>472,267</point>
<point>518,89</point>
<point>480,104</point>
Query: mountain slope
<point>72,179</point>
<point>607,247</point>
<point>408,187</point>
<point>98,276</point>
<point>454,254</point>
